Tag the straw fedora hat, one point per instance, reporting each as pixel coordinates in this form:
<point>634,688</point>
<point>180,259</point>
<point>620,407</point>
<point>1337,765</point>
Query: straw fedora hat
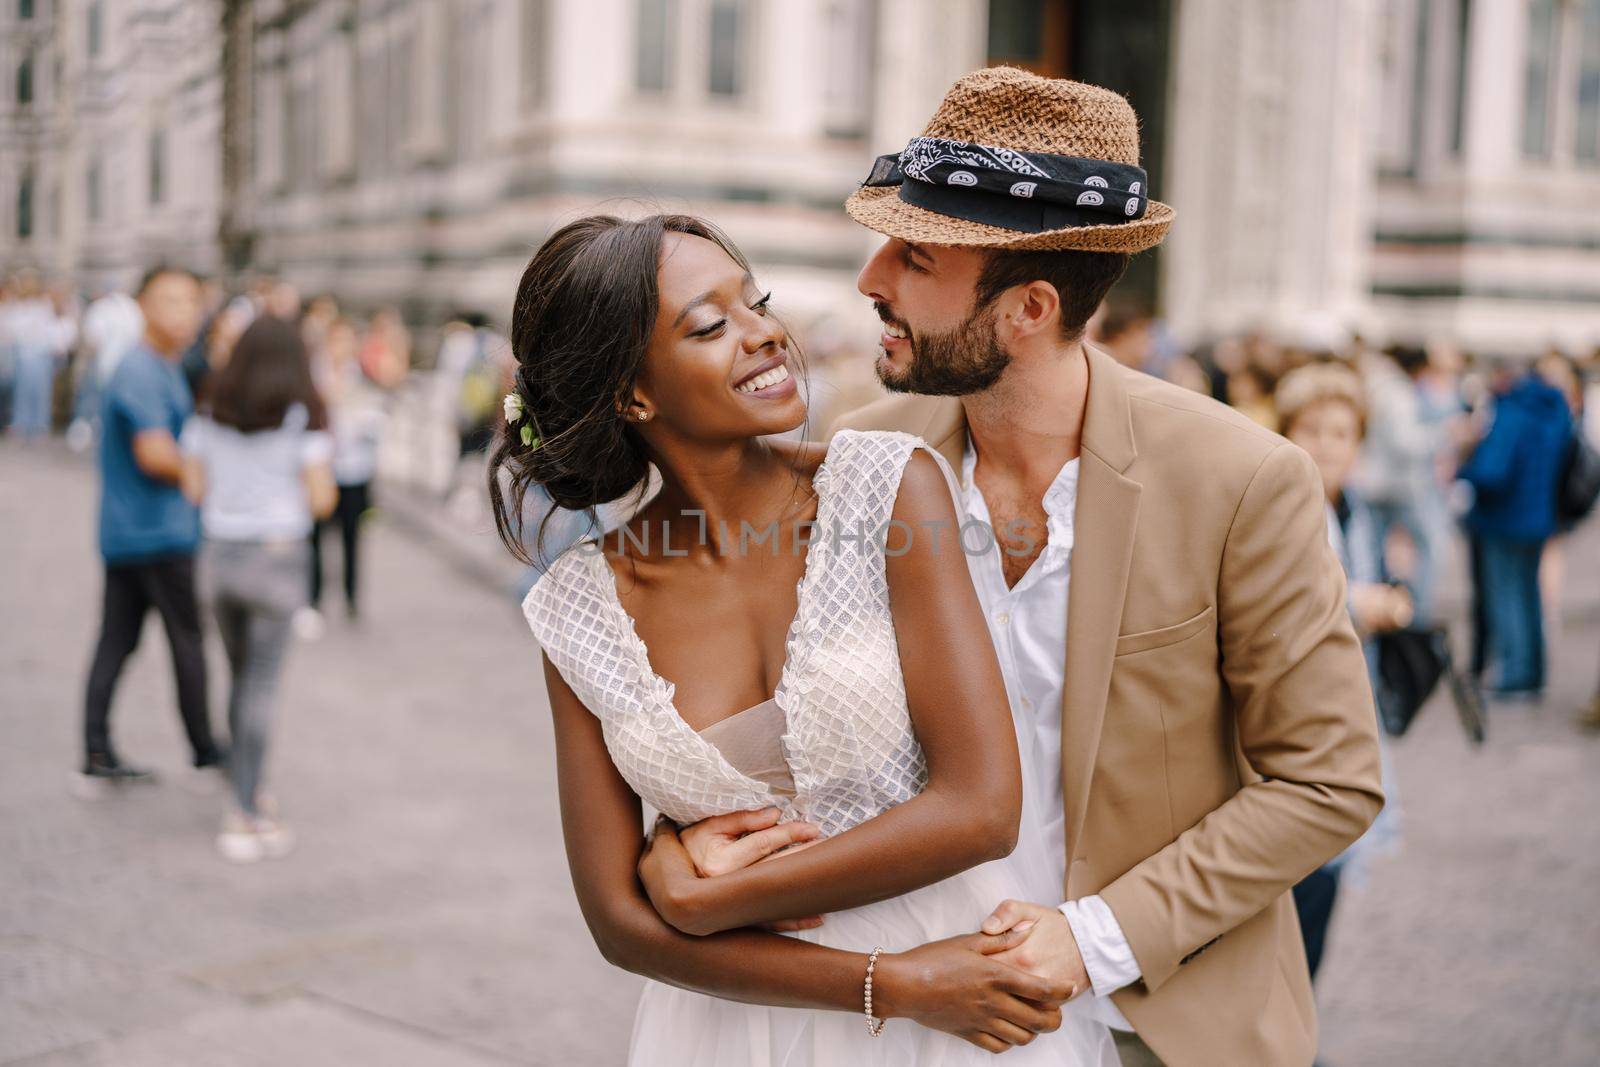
<point>1013,160</point>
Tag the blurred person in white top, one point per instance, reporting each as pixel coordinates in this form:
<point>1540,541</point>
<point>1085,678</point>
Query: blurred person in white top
<point>356,417</point>
<point>41,328</point>
<point>112,325</point>
<point>1399,476</point>
<point>259,464</point>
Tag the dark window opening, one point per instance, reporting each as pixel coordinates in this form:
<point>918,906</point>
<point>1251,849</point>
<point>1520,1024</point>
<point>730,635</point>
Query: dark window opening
<point>653,54</point>
<point>158,149</point>
<point>726,75</point>
<point>25,208</point>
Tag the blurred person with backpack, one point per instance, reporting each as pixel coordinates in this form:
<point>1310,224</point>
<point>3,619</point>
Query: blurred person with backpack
<point>1515,473</point>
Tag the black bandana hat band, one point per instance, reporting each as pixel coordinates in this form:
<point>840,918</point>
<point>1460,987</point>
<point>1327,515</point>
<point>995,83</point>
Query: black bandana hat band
<point>1028,191</point>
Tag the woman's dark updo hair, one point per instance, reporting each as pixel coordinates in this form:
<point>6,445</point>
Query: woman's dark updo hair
<point>580,328</point>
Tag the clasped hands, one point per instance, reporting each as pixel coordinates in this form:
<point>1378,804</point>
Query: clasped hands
<point>676,865</point>
<point>1032,939</point>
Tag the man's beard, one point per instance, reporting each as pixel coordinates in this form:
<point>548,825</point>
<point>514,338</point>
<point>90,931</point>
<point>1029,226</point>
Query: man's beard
<point>965,359</point>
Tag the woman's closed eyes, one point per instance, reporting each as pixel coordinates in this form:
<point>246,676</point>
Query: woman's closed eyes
<point>712,329</point>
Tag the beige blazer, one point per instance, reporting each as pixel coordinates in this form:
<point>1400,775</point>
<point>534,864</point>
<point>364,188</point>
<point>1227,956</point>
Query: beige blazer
<point>1218,739</point>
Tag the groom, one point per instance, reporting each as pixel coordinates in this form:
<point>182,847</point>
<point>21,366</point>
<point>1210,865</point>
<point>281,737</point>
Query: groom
<point>1195,721</point>
<point>1194,707</point>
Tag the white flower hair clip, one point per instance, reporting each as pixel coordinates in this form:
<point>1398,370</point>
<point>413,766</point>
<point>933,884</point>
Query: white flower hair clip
<point>514,411</point>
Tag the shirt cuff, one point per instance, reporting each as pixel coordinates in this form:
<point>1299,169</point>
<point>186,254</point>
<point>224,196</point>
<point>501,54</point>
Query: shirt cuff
<point>1107,956</point>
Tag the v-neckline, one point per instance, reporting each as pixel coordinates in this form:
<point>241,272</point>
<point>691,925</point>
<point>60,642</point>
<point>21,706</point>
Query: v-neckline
<point>608,583</point>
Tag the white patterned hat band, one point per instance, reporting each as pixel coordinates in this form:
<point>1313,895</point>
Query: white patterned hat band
<point>1028,191</point>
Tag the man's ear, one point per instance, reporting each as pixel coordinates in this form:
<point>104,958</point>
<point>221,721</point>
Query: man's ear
<point>1030,310</point>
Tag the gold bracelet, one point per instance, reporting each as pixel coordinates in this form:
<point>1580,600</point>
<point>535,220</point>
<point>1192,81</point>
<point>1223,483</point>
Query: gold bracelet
<point>874,1025</point>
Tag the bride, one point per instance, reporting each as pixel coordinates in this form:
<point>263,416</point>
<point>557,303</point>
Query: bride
<point>825,593</point>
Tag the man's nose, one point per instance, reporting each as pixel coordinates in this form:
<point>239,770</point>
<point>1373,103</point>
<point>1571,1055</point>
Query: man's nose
<point>874,280</point>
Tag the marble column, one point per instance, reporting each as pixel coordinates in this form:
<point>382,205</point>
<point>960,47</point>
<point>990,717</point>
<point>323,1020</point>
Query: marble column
<point>1270,167</point>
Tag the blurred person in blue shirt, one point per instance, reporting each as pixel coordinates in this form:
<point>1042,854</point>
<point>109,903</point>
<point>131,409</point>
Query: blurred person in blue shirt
<point>148,531</point>
<point>1514,472</point>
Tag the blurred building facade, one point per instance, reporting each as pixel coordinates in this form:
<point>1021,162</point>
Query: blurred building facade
<point>1409,169</point>
<point>1405,168</point>
<point>1485,217</point>
<point>109,122</point>
<point>425,149</point>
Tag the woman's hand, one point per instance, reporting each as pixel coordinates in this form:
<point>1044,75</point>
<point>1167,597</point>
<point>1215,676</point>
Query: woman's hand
<point>956,986</point>
<point>677,878</point>
<point>669,877</point>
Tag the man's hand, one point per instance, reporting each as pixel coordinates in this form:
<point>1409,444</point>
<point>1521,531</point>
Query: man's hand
<point>1379,607</point>
<point>958,986</point>
<point>1049,949</point>
<point>674,874</point>
<point>732,842</point>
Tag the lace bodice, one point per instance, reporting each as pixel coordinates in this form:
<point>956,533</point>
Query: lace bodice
<point>849,743</point>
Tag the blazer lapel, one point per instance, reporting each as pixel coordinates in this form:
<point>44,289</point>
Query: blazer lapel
<point>1104,523</point>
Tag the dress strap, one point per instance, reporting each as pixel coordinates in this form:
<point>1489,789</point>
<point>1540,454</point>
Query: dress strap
<point>574,624</point>
<point>864,470</point>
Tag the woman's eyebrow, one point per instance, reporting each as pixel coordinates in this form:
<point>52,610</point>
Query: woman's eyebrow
<point>747,281</point>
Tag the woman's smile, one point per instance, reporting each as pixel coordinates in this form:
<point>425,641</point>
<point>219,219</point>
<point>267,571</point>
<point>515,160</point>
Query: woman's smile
<point>770,380</point>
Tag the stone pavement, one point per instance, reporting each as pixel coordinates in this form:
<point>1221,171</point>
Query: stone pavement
<point>427,917</point>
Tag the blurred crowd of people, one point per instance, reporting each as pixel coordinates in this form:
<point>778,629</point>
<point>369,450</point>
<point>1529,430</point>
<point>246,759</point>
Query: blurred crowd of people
<point>1422,451</point>
<point>231,430</point>
<point>270,410</point>
<point>59,352</point>
<point>1435,458</point>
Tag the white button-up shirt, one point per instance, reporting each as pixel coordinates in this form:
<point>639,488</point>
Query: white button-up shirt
<point>1028,623</point>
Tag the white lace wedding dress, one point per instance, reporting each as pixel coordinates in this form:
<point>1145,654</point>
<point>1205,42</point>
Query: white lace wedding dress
<point>853,755</point>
